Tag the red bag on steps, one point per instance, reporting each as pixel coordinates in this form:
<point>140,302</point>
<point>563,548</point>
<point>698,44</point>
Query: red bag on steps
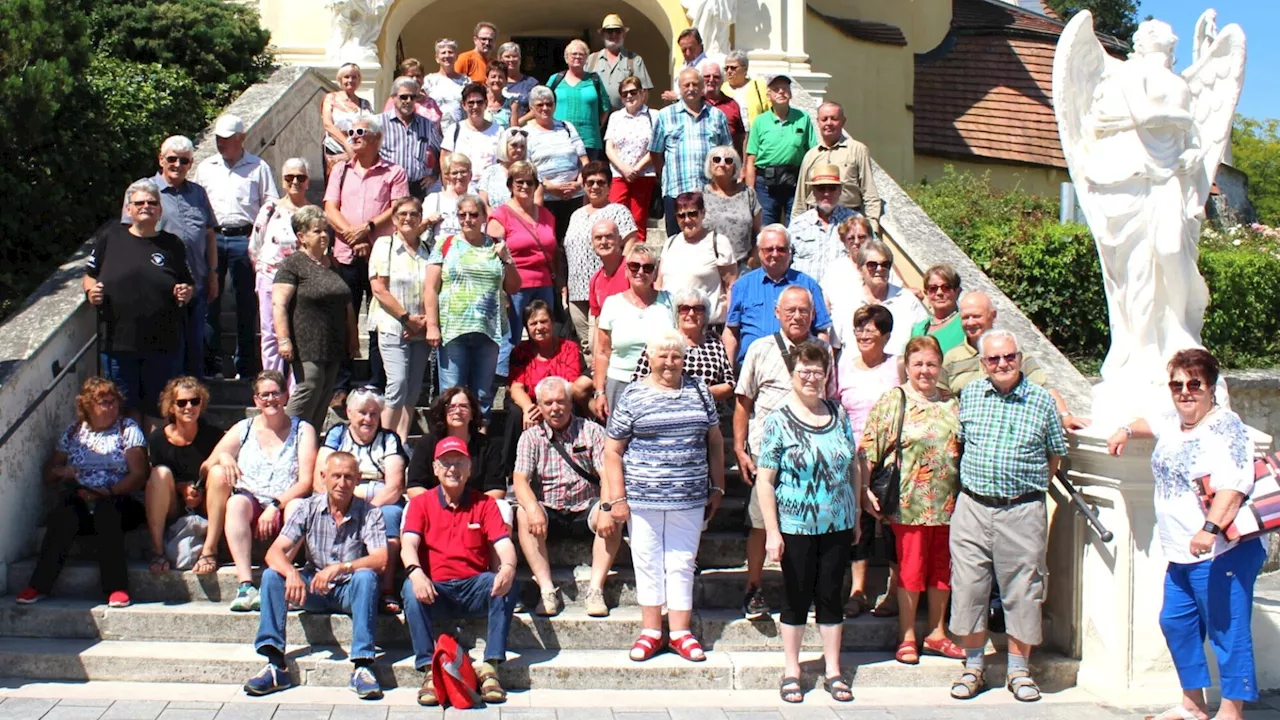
<point>455,680</point>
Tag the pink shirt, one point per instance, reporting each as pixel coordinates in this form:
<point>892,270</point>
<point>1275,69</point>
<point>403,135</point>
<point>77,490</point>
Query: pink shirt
<point>603,286</point>
<point>361,198</point>
<point>532,254</point>
<point>860,389</point>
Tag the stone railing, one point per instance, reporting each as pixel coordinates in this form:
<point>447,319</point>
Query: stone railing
<point>1255,397</point>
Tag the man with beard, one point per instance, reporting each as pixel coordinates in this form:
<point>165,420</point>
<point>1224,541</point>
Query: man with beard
<point>616,63</point>
<point>815,236</point>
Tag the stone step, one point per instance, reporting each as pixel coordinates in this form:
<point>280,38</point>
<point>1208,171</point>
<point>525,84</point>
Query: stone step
<point>222,663</point>
<point>573,629</point>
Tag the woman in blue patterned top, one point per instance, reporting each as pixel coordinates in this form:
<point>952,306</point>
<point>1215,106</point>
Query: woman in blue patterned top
<point>663,445</point>
<point>808,495</point>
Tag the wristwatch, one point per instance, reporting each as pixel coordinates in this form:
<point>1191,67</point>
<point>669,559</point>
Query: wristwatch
<point>347,566</point>
<point>370,225</point>
<point>598,393</point>
<point>608,506</point>
<point>403,318</point>
<point>1211,528</point>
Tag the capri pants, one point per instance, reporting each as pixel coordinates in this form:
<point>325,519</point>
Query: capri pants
<point>813,569</point>
<point>664,545</point>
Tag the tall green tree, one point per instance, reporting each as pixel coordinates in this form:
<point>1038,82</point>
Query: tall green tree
<point>1113,17</point>
<point>1255,149</point>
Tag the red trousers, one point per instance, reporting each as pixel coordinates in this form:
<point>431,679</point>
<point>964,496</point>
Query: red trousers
<point>635,196</point>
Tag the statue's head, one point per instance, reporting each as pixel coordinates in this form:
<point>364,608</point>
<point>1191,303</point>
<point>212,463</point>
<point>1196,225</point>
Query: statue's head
<point>1155,37</point>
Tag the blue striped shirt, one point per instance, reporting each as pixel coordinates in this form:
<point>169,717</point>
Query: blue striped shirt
<point>407,145</point>
<point>684,138</point>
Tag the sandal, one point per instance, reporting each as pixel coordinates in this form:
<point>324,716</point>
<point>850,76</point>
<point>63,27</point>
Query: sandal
<point>205,564</point>
<point>158,563</point>
<point>943,647</point>
<point>886,609</point>
<point>1178,712</point>
<point>1022,686</point>
<point>688,647</point>
<point>389,605</point>
<point>907,654</point>
<point>490,689</point>
<point>856,605</point>
<point>838,689</point>
<point>968,685</point>
<point>427,693</point>
<point>790,690</point>
<point>646,647</point>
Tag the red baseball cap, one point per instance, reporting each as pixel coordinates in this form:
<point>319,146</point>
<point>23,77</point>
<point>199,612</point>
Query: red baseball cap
<point>451,444</point>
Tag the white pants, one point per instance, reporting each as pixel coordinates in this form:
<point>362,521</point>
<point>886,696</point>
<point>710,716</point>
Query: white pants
<point>664,545</point>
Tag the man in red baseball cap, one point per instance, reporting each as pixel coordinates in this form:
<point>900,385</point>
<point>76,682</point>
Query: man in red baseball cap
<point>448,536</point>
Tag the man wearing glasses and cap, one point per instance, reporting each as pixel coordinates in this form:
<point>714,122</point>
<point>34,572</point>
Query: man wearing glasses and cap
<point>615,63</point>
<point>776,146</point>
<point>815,233</point>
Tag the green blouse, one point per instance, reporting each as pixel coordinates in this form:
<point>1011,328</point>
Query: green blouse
<point>948,336</point>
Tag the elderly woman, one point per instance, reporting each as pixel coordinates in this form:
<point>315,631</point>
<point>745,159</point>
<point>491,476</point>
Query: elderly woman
<point>499,106</point>
<point>581,256</point>
<point>98,464</point>
<point>337,111</point>
<point>699,258</point>
<point>941,291</point>
<point>466,277</point>
<point>456,413</point>
<point>875,265</point>
<point>271,241</point>
<point>705,358</point>
<point>177,452</point>
<point>513,147</point>
<point>382,459</point>
<point>864,373</point>
<point>732,208</point>
<point>581,98</point>
<point>258,468</point>
<point>664,476</point>
<point>1203,468</point>
<point>752,94</point>
<point>137,276</point>
<point>440,209</point>
<point>518,84</point>
<point>397,266</point>
<point>627,321</point>
<point>808,490</point>
<point>558,152</point>
<point>444,86</point>
<point>315,323</point>
<point>543,355</point>
<point>475,136</point>
<point>422,105</point>
<point>927,420</point>
<point>626,144</point>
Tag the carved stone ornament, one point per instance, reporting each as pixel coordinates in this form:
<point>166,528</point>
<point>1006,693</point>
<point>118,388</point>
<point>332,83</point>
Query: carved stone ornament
<point>356,27</point>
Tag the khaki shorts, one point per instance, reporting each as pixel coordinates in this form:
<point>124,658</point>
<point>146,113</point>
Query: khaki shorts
<point>1007,544</point>
<point>754,516</point>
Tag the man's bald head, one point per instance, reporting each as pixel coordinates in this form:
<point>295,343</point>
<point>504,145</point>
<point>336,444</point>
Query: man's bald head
<point>977,315</point>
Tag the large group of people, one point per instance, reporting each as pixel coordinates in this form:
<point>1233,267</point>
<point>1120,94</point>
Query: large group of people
<point>496,228</point>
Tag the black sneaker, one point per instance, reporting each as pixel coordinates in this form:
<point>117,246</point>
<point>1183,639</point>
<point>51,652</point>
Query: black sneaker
<point>754,606</point>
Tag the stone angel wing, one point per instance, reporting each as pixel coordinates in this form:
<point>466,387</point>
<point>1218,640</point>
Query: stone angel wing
<point>1206,33</point>
<point>1079,65</point>
<point>1215,80</point>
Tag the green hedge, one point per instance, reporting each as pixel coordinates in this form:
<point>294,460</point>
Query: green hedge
<point>1051,271</point>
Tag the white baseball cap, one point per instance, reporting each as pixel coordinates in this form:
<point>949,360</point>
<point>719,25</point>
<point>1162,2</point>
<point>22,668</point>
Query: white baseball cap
<point>228,126</point>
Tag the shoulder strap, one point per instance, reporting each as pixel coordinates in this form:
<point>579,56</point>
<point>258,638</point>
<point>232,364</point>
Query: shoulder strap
<point>551,265</point>
<point>902,416</point>
<point>554,81</point>
<point>590,477</point>
<point>786,356</point>
<point>457,128</point>
<point>244,436</point>
<point>702,395</point>
<point>631,62</point>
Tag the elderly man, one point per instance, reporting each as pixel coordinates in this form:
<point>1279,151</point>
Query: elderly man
<point>611,278</point>
<point>712,80</point>
<point>357,204</point>
<point>815,233</point>
<point>188,214</point>
<point>615,63</point>
<point>473,63</point>
<point>691,50</point>
<point>1013,445</point>
<point>755,294</point>
<point>557,484</point>
<point>448,537</point>
<point>752,94</point>
<point>779,139</point>
<point>683,135</point>
<point>410,140</point>
<point>763,386</point>
<point>961,366</point>
<point>238,184</point>
<point>858,191</point>
<point>346,551</point>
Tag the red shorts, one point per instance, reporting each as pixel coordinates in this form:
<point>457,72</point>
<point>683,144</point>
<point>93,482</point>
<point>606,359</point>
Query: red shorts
<point>924,557</point>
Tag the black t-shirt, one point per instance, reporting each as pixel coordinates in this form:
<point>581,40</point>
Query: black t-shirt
<point>486,464</point>
<point>138,311</point>
<point>318,309</point>
<point>184,462</point>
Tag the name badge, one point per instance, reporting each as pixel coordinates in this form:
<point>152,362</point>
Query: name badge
<point>579,448</point>
<point>473,526</point>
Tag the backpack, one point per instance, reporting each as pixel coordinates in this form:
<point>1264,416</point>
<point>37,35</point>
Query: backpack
<point>454,679</point>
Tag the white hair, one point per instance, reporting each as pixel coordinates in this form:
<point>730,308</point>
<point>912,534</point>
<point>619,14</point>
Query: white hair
<point>540,93</point>
<point>689,295</point>
<point>296,163</point>
<point>371,121</point>
<point>404,81</point>
<point>777,228</point>
<point>740,56</point>
<point>998,335</point>
<point>177,143</point>
<point>360,396</point>
<point>731,153</point>
<point>549,382</point>
<point>794,288</point>
<point>666,339</point>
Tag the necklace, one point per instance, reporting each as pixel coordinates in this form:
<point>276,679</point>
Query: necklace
<point>943,321</point>
<point>1192,426</point>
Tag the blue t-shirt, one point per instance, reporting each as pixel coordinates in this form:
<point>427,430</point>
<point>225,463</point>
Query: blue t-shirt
<point>752,302</point>
<point>814,464</point>
<point>665,464</point>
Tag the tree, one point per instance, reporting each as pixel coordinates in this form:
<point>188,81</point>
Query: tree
<point>1113,17</point>
<point>1255,150</point>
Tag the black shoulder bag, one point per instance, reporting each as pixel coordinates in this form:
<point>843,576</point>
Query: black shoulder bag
<point>886,479</point>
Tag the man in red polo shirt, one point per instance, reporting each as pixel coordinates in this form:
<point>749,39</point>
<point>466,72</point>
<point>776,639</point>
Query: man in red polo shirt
<point>446,542</point>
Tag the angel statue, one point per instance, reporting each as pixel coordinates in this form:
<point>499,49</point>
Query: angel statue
<point>356,26</point>
<point>1143,144</point>
<point>712,18</point>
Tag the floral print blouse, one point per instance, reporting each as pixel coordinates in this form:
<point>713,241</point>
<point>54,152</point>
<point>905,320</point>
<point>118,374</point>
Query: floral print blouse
<point>930,453</point>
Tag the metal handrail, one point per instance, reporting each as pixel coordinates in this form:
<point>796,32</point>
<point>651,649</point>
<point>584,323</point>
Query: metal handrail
<point>1083,506</point>
<point>48,390</point>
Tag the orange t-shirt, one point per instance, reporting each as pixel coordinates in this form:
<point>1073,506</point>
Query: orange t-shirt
<point>472,64</point>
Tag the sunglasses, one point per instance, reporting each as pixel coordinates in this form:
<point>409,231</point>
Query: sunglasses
<point>936,288</point>
<point>145,203</point>
<point>187,402</point>
<point>629,93</point>
<point>647,268</point>
<point>873,266</point>
<point>358,132</point>
<point>405,96</point>
<point>184,161</point>
<point>468,214</point>
<point>1191,386</point>
<point>524,183</point>
<point>596,183</point>
<point>688,214</point>
<point>682,309</point>
<point>269,396</point>
<point>518,131</point>
<point>295,178</point>
<point>721,160</point>
<point>774,250</point>
<point>1008,358</point>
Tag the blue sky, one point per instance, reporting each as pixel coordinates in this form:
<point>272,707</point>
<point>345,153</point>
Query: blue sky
<point>1261,95</point>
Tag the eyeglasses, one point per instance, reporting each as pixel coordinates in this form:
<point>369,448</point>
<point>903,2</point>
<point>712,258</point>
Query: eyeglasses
<point>473,103</point>
<point>458,173</point>
<point>405,96</point>
<point>524,183</point>
<point>295,178</point>
<point>458,408</point>
<point>774,250</point>
<point>867,329</point>
<point>688,214</point>
<point>811,374</point>
<point>145,203</point>
<point>647,268</point>
<point>629,93</point>
<point>270,395</point>
<point>1008,359</point>
<point>731,68</point>
<point>873,266</point>
<point>596,183</point>
<point>721,160</point>
<point>1193,385</point>
<point>468,214</point>
<point>931,289</point>
<point>795,312</point>
<point>358,132</point>
<point>187,402</point>
<point>409,214</point>
<point>682,309</point>
<point>184,161</point>
<point>452,464</point>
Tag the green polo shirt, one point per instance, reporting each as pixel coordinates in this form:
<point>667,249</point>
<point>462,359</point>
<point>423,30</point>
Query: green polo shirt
<point>948,336</point>
<point>781,142</point>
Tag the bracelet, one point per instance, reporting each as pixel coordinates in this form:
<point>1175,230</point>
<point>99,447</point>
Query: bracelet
<point>1128,431</point>
<point>409,569</point>
<point>282,341</point>
<point>599,393</point>
<point>717,488</point>
<point>505,566</point>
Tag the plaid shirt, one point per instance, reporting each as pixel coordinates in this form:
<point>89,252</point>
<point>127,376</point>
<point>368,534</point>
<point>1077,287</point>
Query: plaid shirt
<point>814,246</point>
<point>684,138</point>
<point>360,532</point>
<point>562,487</point>
<point>1008,438</point>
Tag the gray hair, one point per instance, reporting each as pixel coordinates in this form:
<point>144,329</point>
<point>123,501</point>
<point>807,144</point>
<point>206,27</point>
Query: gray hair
<point>443,43</point>
<point>643,252</point>
<point>146,185</point>
<point>307,217</point>
<point>998,335</point>
<point>507,47</point>
<point>724,150</point>
<point>666,339</point>
<point>691,296</point>
<point>740,56</point>
<point>504,156</point>
<point>776,228</point>
<point>794,288</point>
<point>405,81</point>
<point>474,200</point>
<point>298,163</point>
<point>540,93</point>
<point>707,64</point>
<point>874,245</point>
<point>371,121</point>
<point>358,397</point>
<point>551,381</point>
<point>177,143</point>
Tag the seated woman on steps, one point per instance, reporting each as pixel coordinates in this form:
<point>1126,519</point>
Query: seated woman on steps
<point>259,467</point>
<point>456,413</point>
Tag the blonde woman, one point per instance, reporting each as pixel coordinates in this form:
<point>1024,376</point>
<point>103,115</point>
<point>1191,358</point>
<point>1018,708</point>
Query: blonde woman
<point>338,110</point>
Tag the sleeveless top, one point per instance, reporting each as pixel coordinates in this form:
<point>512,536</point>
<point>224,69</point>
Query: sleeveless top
<point>343,118</point>
<point>260,475</point>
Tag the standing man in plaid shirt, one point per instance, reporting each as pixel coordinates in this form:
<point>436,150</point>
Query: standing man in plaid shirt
<point>557,485</point>
<point>1013,444</point>
<point>683,135</point>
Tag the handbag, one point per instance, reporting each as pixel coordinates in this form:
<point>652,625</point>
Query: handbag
<point>886,480</point>
<point>1259,514</point>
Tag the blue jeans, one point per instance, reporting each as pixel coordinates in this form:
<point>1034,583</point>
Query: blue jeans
<point>357,597</point>
<point>141,376</point>
<point>233,259</point>
<point>193,333</point>
<point>1214,597</point>
<point>775,203</point>
<point>455,600</point>
<point>469,361</point>
<point>515,320</point>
